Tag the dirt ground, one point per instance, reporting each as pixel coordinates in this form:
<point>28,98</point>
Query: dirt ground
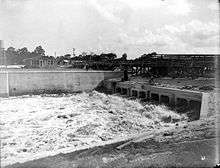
<point>199,84</point>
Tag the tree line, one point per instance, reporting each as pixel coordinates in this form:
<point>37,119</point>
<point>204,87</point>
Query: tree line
<point>16,56</point>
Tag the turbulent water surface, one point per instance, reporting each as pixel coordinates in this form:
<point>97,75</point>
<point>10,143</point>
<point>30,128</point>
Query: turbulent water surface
<point>44,124</point>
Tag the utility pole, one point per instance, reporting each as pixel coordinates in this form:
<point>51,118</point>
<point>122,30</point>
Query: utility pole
<point>74,52</point>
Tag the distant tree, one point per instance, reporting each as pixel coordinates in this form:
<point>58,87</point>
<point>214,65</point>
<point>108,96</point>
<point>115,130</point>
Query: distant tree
<point>11,55</point>
<point>146,56</point>
<point>109,56</point>
<point>92,53</point>
<point>39,51</point>
<point>59,59</point>
<point>84,53</point>
<point>11,49</point>
<point>124,56</point>
<point>23,53</point>
<point>152,54</point>
<point>67,56</point>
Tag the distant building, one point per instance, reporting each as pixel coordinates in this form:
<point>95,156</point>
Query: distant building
<point>40,62</point>
<point>62,61</point>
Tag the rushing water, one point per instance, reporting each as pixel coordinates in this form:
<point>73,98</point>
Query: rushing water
<point>47,123</point>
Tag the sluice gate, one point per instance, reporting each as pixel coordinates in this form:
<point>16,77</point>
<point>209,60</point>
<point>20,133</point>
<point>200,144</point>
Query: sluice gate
<point>181,100</point>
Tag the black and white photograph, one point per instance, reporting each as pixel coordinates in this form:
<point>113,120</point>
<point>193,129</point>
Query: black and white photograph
<point>109,83</point>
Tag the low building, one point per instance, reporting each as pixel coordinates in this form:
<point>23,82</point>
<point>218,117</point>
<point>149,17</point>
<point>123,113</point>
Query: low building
<point>40,62</point>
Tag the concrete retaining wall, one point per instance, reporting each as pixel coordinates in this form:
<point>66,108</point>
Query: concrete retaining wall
<point>201,104</point>
<point>23,82</point>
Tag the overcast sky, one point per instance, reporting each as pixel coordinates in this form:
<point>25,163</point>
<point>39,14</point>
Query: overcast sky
<point>132,26</point>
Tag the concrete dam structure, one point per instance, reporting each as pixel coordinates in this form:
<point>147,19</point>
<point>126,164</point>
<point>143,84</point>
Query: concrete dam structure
<point>34,82</point>
<point>22,82</point>
<point>198,103</point>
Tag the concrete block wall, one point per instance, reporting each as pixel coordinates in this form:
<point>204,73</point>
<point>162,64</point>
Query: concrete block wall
<point>25,82</point>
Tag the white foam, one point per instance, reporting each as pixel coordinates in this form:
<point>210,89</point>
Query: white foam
<point>44,125</point>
